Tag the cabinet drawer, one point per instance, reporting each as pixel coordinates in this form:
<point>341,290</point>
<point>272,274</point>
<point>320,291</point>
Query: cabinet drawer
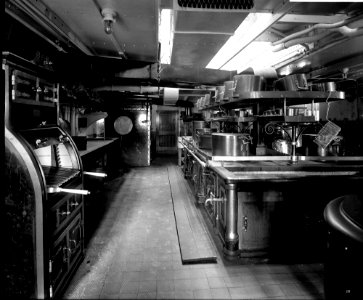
<point>61,213</point>
<point>75,240</point>
<point>24,86</point>
<point>58,262</point>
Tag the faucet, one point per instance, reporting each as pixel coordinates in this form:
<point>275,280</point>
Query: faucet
<point>213,199</point>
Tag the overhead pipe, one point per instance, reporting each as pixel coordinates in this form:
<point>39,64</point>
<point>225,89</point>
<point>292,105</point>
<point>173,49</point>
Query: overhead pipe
<point>350,32</point>
<point>318,26</point>
<point>313,51</point>
<point>302,40</point>
<point>344,30</point>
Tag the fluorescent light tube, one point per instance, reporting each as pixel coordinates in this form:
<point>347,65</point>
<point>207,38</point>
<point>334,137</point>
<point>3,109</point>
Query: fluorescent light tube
<point>261,55</point>
<point>251,27</point>
<point>166,34</point>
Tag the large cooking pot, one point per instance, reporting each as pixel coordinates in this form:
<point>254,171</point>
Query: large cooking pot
<point>247,83</point>
<point>311,148</point>
<point>228,90</point>
<point>328,86</point>
<point>294,82</point>
<point>198,125</point>
<point>219,93</point>
<point>205,141</point>
<point>231,144</point>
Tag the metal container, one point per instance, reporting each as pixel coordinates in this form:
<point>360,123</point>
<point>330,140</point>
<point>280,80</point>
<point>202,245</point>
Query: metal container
<point>198,125</point>
<point>329,86</point>
<point>205,141</point>
<point>228,90</point>
<point>231,144</point>
<point>294,82</point>
<point>219,93</point>
<point>311,148</point>
<point>247,83</point>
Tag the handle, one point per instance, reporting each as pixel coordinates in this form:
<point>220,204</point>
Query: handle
<point>52,190</point>
<point>63,138</point>
<point>300,87</point>
<point>245,223</point>
<point>96,174</point>
<point>234,85</point>
<point>64,213</point>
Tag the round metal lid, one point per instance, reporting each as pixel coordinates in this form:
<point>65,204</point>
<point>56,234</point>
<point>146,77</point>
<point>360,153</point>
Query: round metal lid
<point>123,125</point>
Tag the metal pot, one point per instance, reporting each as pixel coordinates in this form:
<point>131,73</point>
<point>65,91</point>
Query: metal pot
<point>198,125</point>
<point>231,144</point>
<point>311,148</point>
<point>247,83</point>
<point>219,93</point>
<point>329,86</point>
<point>287,135</point>
<point>228,90</point>
<point>205,141</point>
<point>294,82</point>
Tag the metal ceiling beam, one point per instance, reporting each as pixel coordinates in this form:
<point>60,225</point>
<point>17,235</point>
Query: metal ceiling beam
<point>50,21</point>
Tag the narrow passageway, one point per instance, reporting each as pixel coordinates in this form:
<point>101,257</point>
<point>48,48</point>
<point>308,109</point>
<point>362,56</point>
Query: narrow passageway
<point>134,252</point>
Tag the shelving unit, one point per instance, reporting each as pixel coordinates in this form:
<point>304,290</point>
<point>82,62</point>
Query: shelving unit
<point>261,101</point>
<point>267,97</point>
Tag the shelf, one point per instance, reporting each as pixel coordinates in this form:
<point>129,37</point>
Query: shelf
<point>232,119</point>
<point>292,98</point>
<point>288,119</point>
<point>33,102</point>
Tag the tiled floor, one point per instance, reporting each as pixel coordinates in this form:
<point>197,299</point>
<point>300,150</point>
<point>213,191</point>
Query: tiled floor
<point>133,253</point>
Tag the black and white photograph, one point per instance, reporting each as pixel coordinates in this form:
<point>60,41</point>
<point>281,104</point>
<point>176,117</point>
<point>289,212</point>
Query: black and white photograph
<point>182,149</point>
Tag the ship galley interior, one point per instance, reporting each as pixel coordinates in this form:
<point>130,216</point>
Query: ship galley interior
<point>182,149</point>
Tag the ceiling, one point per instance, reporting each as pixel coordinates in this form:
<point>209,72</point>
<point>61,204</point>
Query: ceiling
<point>77,25</point>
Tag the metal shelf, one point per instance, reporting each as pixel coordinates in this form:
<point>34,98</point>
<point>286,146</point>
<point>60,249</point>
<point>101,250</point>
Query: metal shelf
<point>33,102</point>
<point>233,119</point>
<point>291,97</point>
<point>288,119</point>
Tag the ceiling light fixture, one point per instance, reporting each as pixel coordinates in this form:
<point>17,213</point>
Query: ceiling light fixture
<point>261,55</point>
<point>251,27</point>
<point>109,17</point>
<point>166,33</point>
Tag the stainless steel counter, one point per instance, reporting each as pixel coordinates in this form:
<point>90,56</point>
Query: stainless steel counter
<point>248,189</point>
<point>93,145</point>
<point>233,172</point>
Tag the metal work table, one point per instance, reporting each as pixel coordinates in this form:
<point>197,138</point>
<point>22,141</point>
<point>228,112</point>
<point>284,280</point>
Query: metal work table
<point>240,173</point>
<point>94,145</point>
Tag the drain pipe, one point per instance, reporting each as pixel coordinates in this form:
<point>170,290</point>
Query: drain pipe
<point>318,26</point>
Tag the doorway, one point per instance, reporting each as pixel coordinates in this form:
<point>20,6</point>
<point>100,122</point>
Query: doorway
<point>167,128</point>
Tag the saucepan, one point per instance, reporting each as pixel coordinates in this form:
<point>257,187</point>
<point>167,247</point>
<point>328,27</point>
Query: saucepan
<point>247,83</point>
<point>294,82</point>
<point>329,86</point>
